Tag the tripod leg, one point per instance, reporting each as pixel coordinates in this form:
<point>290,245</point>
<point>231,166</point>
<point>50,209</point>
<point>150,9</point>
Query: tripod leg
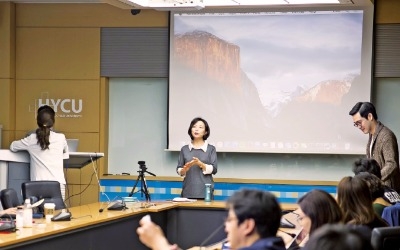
<point>134,186</point>
<point>145,190</point>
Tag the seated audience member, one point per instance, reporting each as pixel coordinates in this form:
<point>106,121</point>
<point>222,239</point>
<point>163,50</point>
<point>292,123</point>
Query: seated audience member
<point>354,198</point>
<point>317,208</point>
<point>376,189</point>
<point>371,166</point>
<point>11,210</point>
<point>252,223</point>
<point>337,237</point>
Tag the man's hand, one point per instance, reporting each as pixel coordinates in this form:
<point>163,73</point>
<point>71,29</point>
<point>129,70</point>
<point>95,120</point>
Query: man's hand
<point>152,235</point>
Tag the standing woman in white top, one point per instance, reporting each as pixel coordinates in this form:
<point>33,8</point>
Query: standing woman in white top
<point>47,150</point>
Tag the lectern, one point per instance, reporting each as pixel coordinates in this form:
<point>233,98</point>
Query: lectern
<point>14,166</point>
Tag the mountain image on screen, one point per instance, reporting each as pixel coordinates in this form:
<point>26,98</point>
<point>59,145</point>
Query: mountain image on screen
<point>248,113</point>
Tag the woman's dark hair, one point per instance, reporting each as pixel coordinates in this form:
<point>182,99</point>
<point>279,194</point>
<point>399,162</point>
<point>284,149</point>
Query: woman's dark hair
<point>45,121</point>
<point>193,122</point>
<point>355,200</point>
<point>338,237</point>
<point>367,165</point>
<point>321,208</point>
<point>374,184</point>
<point>364,108</point>
<point>259,205</point>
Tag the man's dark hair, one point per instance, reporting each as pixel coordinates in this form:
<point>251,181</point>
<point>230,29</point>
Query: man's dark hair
<point>367,165</point>
<point>364,108</point>
<point>259,205</point>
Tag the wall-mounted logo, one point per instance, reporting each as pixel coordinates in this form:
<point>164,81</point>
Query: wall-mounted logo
<point>64,108</point>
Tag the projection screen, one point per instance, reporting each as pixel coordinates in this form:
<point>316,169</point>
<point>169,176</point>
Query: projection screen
<point>277,82</point>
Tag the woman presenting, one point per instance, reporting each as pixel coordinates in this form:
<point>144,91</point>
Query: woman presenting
<point>197,161</point>
<point>47,150</point>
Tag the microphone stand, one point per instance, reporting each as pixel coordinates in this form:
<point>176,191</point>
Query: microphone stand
<point>143,184</point>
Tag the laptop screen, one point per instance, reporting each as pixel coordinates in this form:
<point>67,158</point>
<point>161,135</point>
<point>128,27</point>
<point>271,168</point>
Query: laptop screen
<point>72,145</point>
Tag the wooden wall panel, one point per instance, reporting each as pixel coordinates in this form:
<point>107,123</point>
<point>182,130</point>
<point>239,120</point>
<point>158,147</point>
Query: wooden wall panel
<point>86,15</point>
<point>7,40</point>
<point>7,111</point>
<point>67,94</point>
<point>387,11</point>
<point>54,53</point>
<point>7,94</point>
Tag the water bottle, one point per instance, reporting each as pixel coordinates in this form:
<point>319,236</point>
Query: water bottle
<point>208,193</point>
<point>19,217</point>
<point>27,213</point>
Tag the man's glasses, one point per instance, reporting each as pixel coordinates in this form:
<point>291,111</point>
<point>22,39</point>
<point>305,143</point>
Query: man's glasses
<point>358,123</point>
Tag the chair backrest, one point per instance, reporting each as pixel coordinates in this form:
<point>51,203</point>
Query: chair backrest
<point>386,238</point>
<point>9,198</point>
<point>50,191</point>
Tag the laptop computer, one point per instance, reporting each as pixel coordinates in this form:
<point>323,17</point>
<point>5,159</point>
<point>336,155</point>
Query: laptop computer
<point>298,239</point>
<point>72,145</point>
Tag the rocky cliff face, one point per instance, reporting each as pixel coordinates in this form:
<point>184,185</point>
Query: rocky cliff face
<point>207,54</point>
<point>330,92</point>
<point>210,76</point>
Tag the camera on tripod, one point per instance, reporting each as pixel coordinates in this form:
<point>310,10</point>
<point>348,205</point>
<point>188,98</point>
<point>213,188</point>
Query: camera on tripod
<point>142,166</point>
<point>143,187</point>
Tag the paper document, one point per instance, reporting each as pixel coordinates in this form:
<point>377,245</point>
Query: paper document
<point>181,199</point>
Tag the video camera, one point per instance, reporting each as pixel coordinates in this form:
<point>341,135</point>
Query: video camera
<point>142,166</point>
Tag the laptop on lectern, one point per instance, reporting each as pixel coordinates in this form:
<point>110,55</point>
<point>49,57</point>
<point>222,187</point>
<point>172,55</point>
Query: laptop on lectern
<point>72,145</point>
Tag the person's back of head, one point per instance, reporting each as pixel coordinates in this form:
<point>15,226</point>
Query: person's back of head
<point>45,120</point>
<point>261,206</point>
<point>321,208</point>
<point>367,165</point>
<point>43,107</point>
<point>374,183</point>
<point>354,198</point>
<point>337,237</point>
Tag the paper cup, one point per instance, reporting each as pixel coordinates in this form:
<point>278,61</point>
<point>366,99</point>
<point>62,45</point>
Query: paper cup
<point>49,210</point>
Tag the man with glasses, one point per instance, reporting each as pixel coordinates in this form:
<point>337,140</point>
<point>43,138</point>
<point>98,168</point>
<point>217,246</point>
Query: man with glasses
<point>253,220</point>
<point>382,143</point>
<point>252,224</point>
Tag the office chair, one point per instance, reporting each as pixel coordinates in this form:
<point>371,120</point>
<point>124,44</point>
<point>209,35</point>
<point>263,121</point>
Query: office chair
<point>9,198</point>
<point>50,191</point>
<point>386,238</point>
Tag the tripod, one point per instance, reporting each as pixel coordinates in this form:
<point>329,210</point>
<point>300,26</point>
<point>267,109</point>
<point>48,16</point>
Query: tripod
<point>143,184</point>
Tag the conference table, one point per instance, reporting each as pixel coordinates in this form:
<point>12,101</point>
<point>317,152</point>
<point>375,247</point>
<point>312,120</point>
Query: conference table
<point>186,223</point>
